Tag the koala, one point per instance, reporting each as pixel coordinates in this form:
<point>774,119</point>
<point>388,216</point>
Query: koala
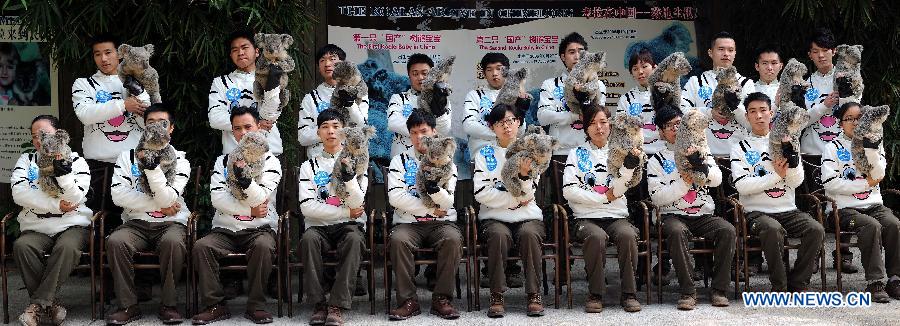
<point>791,85</point>
<point>728,86</point>
<point>871,128</point>
<point>435,166</point>
<point>349,80</point>
<point>273,52</point>
<point>154,144</point>
<point>252,151</point>
<point>136,73</point>
<point>513,86</point>
<point>665,81</point>
<point>52,144</point>
<point>583,78</point>
<point>535,145</point>
<point>438,76</point>
<point>789,122</point>
<point>356,152</point>
<point>691,138</point>
<point>625,135</point>
<point>847,73</point>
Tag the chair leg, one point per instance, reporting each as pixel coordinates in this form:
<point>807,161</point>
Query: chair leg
<point>822,267</point>
<point>659,262</point>
<point>544,276</point>
<point>387,278</point>
<point>279,283</point>
<point>477,283</point>
<point>468,285</point>
<point>371,280</point>
<point>5,290</point>
<point>556,293</point>
<point>568,283</point>
<point>458,285</point>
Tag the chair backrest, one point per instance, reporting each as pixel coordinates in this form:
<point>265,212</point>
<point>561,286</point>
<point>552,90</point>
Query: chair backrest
<point>557,170</point>
<point>812,181</point>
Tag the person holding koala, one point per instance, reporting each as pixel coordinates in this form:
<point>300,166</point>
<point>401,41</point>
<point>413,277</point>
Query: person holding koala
<point>766,187</point>
<point>57,226</point>
<point>247,226</point>
<point>686,208</point>
<point>403,104</point>
<point>600,209</point>
<point>552,110</point>
<point>504,217</point>
<point>331,223</point>
<point>637,100</point>
<point>698,92</point>
<point>479,102</point>
<point>416,225</point>
<point>154,219</point>
<point>236,89</point>
<point>319,99</point>
<point>860,206</point>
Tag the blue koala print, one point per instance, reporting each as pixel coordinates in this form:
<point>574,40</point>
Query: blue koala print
<point>32,173</point>
<point>635,109</point>
<point>589,179</point>
<point>489,159</point>
<point>558,93</point>
<point>668,166</point>
<point>760,170</point>
<point>499,185</point>
<point>584,160</point>
<point>849,173</point>
<point>322,178</point>
<point>135,171</point>
<point>323,192</point>
<point>812,94</point>
<point>225,172</point>
<point>411,169</point>
<point>407,110</point>
<point>752,157</point>
<point>322,106</point>
<point>486,103</point>
<point>102,96</point>
<point>843,154</point>
<point>233,95</point>
<point>705,93</point>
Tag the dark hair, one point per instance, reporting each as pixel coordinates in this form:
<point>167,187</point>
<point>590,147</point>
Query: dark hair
<point>330,114</point>
<point>498,112</point>
<point>493,57</point>
<point>720,35</point>
<point>332,50</point>
<point>242,110</point>
<point>842,110</point>
<point>244,33</point>
<point>54,121</point>
<point>823,38</point>
<point>160,107</point>
<point>757,96</point>
<point>666,113</point>
<point>644,56</point>
<point>417,118</point>
<point>590,112</point>
<point>418,58</point>
<point>103,38</point>
<point>767,49</point>
<point>573,37</point>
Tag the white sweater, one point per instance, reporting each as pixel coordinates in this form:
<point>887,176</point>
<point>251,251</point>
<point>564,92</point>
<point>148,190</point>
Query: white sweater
<point>553,111</point>
<point>823,127</point>
<point>761,189</point>
<point>843,183</point>
<point>40,212</point>
<point>233,214</point>
<point>234,89</point>
<point>490,192</point>
<point>140,206</point>
<point>405,197</point>
<point>770,89</point>
<point>400,107</point>
<point>586,181</point>
<point>317,101</point>
<point>671,194</point>
<point>99,103</point>
<point>319,205</point>
<point>720,134</point>
<point>477,105</point>
<point>636,102</point>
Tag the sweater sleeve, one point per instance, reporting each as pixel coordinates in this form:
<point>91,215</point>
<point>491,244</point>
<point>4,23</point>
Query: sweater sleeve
<point>220,195</point>
<point>306,123</point>
<point>24,195</point>
<point>689,93</point>
<point>259,192</point>
<point>472,121</point>
<point>88,110</point>
<point>217,107</point>
<point>356,190</point>
<point>571,189</point>
<point>166,194</point>
<point>75,185</point>
<point>396,120</point>
<point>123,190</point>
<point>832,180</point>
<point>794,176</point>
<point>487,194</point>
<point>443,122</point>
<point>359,113</point>
<point>664,191</point>
<point>398,197</point>
<point>444,197</point>
<point>309,206</point>
<point>714,178</point>
<point>550,108</point>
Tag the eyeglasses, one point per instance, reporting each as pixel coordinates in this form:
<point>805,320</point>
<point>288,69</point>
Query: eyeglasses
<point>851,120</point>
<point>508,122</point>
<point>671,125</point>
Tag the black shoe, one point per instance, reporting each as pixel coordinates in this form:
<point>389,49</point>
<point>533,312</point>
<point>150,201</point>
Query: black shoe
<point>847,266</point>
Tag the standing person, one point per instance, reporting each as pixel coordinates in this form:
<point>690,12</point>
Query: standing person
<point>57,226</point>
<point>768,64</point>
<point>403,104</point>
<point>319,99</point>
<point>155,218</point>
<point>332,223</point>
<point>236,89</point>
<point>480,101</point>
<point>636,102</point>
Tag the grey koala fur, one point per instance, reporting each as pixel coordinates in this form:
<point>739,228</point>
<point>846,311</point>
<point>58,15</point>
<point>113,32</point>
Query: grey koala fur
<point>789,121</point>
<point>791,75</point>
<point>252,151</point>
<point>625,135</point>
<point>665,81</point>
<point>349,79</point>
<point>135,62</point>
<point>691,137</point>
<point>871,127</point>
<point>356,151</point>
<point>440,73</point>
<point>535,145</point>
<point>51,145</point>
<point>272,51</point>
<point>847,63</point>
<point>728,82</point>
<point>513,85</point>
<point>583,78</point>
<point>435,165</point>
<point>155,143</point>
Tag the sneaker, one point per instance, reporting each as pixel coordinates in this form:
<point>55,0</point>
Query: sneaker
<point>57,313</point>
<point>319,314</point>
<point>497,308</point>
<point>212,313</point>
<point>124,316</point>
<point>169,315</point>
<point>442,306</point>
<point>687,302</point>
<point>594,304</point>
<point>535,305</point>
<point>335,316</point>
<point>32,315</point>
<point>718,298</point>
<point>893,289</point>
<point>258,316</point>
<point>630,303</point>
<point>409,308</point>
<point>878,293</point>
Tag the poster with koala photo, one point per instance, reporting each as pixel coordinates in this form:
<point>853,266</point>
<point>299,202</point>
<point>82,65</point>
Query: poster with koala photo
<point>28,84</point>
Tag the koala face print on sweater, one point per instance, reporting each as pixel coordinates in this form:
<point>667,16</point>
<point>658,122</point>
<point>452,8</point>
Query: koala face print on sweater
<point>116,129</point>
<point>592,179</point>
<point>827,128</point>
<point>691,202</point>
<point>847,170</point>
<point>755,160</point>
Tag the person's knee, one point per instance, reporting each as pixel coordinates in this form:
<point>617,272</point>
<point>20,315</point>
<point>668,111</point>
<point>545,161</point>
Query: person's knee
<point>118,243</point>
<point>595,237</point>
<point>531,235</point>
<point>66,248</point>
<point>452,241</point>
<point>24,248</point>
<point>264,243</point>
<point>728,233</point>
<point>627,238</point>
<point>770,230</point>
<point>172,245</point>
<point>401,240</point>
<point>675,231</point>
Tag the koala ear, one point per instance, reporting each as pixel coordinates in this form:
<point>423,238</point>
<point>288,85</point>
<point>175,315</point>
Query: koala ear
<point>287,40</point>
<point>63,136</point>
<point>123,50</point>
<point>149,48</point>
<point>259,39</point>
<point>554,143</point>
